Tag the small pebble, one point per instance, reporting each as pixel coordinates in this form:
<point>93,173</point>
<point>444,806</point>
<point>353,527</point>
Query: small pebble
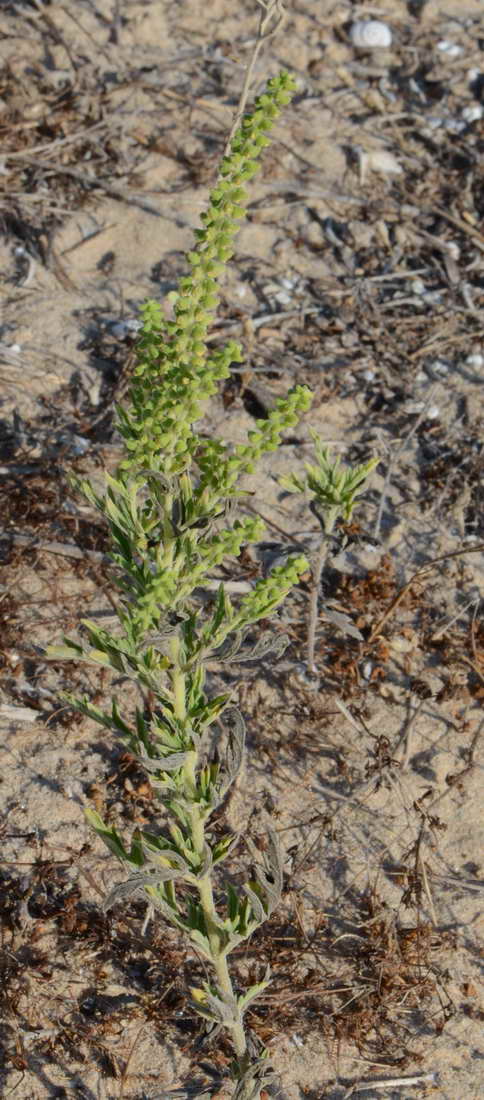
<point>283,298</point>
<point>449,48</point>
<point>434,122</point>
<point>79,445</point>
<point>120,329</point>
<point>453,249</point>
<point>94,392</point>
<point>417,286</point>
<point>15,348</point>
<point>433,412</point>
<point>370,34</point>
<point>455,125</point>
<point>439,367</point>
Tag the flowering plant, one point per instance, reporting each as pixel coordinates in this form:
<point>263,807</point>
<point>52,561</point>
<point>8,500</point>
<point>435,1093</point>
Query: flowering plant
<point>172,512</point>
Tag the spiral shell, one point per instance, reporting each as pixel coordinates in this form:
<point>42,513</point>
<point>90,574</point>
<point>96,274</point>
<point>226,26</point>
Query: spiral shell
<point>370,34</point>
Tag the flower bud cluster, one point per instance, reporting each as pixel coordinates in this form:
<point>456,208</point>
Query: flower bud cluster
<point>175,376</point>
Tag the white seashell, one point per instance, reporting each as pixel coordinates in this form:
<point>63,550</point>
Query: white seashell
<point>370,34</point>
<point>475,359</point>
<point>473,113</point>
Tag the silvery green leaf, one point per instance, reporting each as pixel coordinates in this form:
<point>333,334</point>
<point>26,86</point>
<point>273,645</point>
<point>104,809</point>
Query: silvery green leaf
<point>136,883</point>
<point>169,912</point>
<point>207,862</point>
<point>166,483</point>
<point>256,1077</point>
<point>107,833</point>
<point>343,622</point>
<point>270,876</point>
<point>223,846</point>
<point>230,648</point>
<point>256,904</point>
<point>68,652</point>
<point>235,744</point>
<point>156,856</point>
<point>265,646</point>
<point>202,944</point>
<point>251,994</point>
<point>163,763</point>
<point>214,1008</point>
<point>234,751</point>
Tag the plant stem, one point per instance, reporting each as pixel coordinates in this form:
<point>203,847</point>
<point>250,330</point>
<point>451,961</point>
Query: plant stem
<point>205,890</point>
<point>317,571</point>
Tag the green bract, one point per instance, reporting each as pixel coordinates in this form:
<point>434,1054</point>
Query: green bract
<point>170,508</point>
<point>333,487</point>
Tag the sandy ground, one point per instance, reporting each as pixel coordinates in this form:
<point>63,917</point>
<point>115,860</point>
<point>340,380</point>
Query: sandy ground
<point>359,272</point>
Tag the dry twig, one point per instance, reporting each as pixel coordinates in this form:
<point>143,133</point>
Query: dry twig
<point>272,17</point>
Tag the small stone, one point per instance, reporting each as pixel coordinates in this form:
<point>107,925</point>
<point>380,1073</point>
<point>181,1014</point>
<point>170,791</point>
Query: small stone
<point>381,161</point>
<point>79,445</point>
<point>434,122</point>
<point>451,49</point>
